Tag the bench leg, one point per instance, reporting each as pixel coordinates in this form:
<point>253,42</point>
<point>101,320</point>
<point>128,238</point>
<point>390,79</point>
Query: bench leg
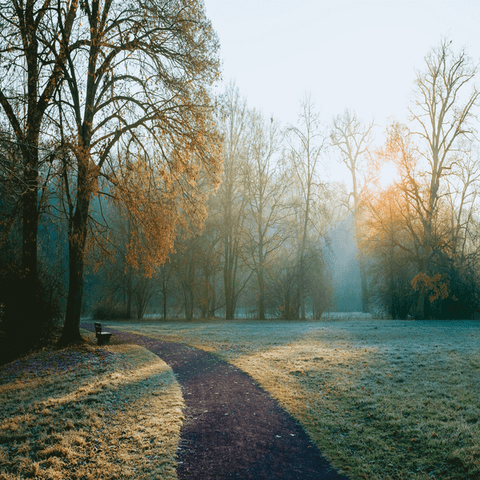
<point>104,339</point>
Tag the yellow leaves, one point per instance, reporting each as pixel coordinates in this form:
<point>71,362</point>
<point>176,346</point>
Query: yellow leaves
<point>435,287</point>
<point>154,197</point>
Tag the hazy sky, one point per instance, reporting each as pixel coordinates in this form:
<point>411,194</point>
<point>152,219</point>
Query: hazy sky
<point>346,53</point>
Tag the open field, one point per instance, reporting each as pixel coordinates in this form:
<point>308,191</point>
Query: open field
<point>64,413</point>
<point>381,399</point>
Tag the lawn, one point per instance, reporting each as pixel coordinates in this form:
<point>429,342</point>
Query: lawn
<point>96,412</point>
<point>381,399</point>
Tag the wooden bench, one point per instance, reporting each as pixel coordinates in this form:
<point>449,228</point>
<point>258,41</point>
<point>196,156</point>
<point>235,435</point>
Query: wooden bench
<point>102,337</point>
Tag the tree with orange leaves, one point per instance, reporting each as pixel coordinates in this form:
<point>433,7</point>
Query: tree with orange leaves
<point>427,159</point>
<point>442,111</point>
<point>386,242</point>
<point>137,75</point>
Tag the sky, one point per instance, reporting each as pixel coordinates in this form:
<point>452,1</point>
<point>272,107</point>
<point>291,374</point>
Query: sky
<point>355,54</point>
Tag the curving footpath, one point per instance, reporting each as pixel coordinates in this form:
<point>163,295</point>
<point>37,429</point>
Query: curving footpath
<point>233,429</point>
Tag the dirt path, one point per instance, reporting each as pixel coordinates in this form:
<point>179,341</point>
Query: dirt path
<point>233,428</point>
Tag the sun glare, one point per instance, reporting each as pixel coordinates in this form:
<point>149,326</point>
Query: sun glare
<point>388,175</point>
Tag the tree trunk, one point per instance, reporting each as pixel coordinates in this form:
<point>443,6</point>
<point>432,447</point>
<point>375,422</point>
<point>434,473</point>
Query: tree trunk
<point>301,280</point>
<point>188,299</point>
<point>420,307</point>
<point>261,279</point>
<point>261,293</point>
<point>286,310</point>
<point>229,281</point>
<point>142,299</point>
<point>76,250</point>
<point>301,292</point>
<point>77,236</point>
<point>188,295</point>
<point>361,261</point>
<point>29,232</point>
<point>230,308</point>
<point>30,154</point>
<point>297,305</point>
<point>129,293</point>
<point>164,306</point>
<point>363,286</point>
<point>213,296</point>
<point>188,287</point>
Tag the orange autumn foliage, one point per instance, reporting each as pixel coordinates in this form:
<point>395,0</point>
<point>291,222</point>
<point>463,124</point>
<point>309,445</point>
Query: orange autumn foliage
<point>435,287</point>
<point>161,199</point>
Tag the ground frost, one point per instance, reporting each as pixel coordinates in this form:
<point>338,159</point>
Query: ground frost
<point>382,399</point>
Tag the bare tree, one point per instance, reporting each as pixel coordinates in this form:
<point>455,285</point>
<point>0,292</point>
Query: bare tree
<point>34,40</point>
<point>266,186</point>
<point>231,196</point>
<point>209,265</point>
<point>395,233</point>
<point>353,139</point>
<point>462,196</point>
<point>138,73</point>
<point>185,265</point>
<point>306,144</point>
<point>443,108</point>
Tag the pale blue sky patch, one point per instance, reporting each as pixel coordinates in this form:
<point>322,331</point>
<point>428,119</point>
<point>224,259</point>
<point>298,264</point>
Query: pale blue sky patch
<point>352,54</point>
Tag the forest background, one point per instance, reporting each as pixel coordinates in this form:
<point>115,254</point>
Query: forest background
<point>130,186</point>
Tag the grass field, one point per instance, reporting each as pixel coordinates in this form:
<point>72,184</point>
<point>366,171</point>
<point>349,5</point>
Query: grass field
<point>381,399</point>
<point>95,412</point>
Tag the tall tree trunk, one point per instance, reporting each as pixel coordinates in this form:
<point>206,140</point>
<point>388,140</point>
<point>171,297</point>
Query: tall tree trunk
<point>30,231</point>
<point>188,299</point>
<point>261,293</point>
<point>301,276</point>
<point>286,310</point>
<point>164,306</point>
<point>188,287</point>
<point>301,292</point>
<point>363,286</point>
<point>129,272</point>
<point>77,236</point>
<point>76,250</point>
<point>361,260</point>
<point>142,299</point>
<point>229,280</point>
<point>213,296</point>
<point>164,294</point>
<point>420,306</point>
<point>260,277</point>
<point>129,293</point>
<point>230,308</point>
<point>30,152</point>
